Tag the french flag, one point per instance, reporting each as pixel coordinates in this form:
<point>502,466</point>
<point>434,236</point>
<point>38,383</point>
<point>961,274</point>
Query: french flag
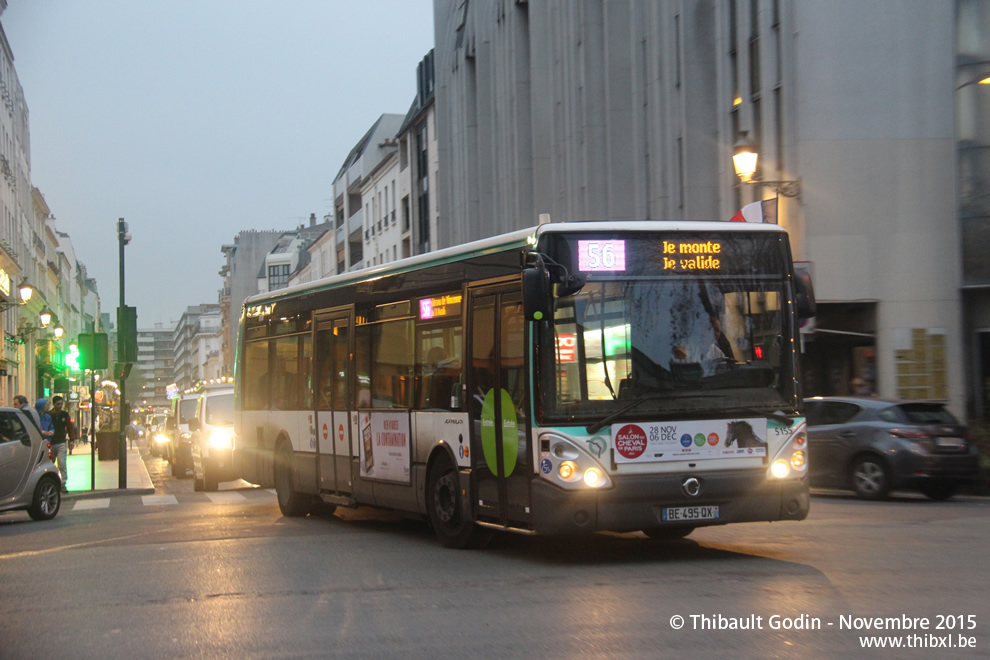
<point>762,211</point>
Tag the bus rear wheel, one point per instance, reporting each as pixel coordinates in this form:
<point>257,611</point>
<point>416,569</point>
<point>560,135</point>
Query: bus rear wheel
<point>291,503</point>
<point>450,523</point>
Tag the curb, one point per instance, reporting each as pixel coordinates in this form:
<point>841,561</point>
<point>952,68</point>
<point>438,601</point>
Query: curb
<point>116,492</point>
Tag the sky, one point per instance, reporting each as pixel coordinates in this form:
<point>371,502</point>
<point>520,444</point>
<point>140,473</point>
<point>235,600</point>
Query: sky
<point>196,119</point>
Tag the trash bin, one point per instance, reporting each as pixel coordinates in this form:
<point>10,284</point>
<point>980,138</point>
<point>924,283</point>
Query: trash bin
<point>106,445</point>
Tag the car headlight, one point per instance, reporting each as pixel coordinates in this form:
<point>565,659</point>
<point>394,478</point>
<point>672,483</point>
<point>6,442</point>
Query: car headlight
<point>161,439</point>
<point>221,438</point>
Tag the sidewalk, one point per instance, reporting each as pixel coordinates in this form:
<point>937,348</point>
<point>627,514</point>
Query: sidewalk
<point>80,469</point>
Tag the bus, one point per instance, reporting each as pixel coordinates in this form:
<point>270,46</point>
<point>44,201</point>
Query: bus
<point>568,378</point>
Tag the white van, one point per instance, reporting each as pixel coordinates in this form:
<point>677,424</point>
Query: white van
<point>179,452</point>
<point>212,432</point>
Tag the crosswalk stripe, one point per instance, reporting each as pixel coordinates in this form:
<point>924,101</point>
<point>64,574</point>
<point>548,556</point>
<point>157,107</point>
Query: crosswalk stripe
<point>224,497</point>
<point>153,500</point>
<point>98,503</point>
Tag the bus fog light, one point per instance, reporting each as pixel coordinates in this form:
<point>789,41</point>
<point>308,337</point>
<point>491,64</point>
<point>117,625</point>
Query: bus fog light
<point>779,469</point>
<point>567,470</point>
<point>592,477</point>
<point>797,460</point>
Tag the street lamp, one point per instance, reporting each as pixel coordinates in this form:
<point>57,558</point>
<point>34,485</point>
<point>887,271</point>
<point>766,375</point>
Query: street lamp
<point>45,316</point>
<point>59,331</point>
<point>981,75</point>
<point>25,291</point>
<point>744,157</point>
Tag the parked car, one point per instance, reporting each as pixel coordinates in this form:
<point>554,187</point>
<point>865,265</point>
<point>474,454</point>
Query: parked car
<point>28,477</point>
<point>876,445</point>
<point>213,438</point>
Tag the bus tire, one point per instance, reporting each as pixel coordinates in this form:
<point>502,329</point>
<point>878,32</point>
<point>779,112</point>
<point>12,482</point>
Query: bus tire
<point>291,503</point>
<point>450,523</point>
<point>668,533</point>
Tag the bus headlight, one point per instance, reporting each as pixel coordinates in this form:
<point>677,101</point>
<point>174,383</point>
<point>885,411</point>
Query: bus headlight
<point>161,439</point>
<point>221,439</point>
<point>567,470</point>
<point>592,477</point>
<point>791,462</point>
<point>779,468</point>
<point>797,459</point>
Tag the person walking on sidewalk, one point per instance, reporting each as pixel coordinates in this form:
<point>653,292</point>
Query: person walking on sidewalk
<point>62,423</point>
<point>48,433</point>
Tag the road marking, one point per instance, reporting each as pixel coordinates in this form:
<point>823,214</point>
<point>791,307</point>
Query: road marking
<point>225,497</point>
<point>155,500</point>
<point>98,503</point>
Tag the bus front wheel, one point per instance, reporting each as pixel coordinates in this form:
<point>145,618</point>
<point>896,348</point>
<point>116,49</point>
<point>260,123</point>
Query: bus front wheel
<point>291,503</point>
<point>450,523</point>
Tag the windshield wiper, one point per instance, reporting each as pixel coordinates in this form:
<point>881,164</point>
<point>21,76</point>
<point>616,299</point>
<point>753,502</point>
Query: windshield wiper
<point>599,425</point>
<point>775,416</point>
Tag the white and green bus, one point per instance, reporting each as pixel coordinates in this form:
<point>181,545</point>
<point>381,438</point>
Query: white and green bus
<point>572,377</point>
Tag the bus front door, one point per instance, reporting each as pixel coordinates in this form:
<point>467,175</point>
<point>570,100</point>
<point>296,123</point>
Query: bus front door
<point>497,402</point>
<point>330,384</point>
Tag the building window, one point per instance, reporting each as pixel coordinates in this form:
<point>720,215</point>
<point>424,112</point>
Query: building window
<point>278,276</point>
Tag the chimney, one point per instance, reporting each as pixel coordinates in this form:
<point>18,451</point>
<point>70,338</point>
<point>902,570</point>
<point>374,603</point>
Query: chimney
<point>312,219</point>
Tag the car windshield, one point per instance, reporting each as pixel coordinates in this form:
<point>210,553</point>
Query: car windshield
<point>220,409</point>
<point>716,340</point>
<point>187,410</point>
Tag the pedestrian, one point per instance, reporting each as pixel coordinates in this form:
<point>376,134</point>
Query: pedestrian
<point>42,405</point>
<point>62,423</point>
<point>20,401</point>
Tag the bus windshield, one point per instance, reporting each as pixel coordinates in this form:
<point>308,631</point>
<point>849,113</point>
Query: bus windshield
<point>685,340</point>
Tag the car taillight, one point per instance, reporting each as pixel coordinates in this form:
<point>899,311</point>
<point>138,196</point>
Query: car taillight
<point>51,454</point>
<point>910,435</point>
<point>918,437</point>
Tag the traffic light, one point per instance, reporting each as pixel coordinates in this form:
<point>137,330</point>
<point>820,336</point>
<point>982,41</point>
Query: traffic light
<point>127,333</point>
<point>93,350</point>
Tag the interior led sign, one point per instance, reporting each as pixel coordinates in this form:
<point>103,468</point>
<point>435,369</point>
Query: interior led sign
<point>603,255</point>
<point>692,255</point>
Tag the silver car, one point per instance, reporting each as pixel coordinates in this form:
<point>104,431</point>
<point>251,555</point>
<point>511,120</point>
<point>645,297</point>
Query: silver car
<point>876,445</point>
<point>28,477</point>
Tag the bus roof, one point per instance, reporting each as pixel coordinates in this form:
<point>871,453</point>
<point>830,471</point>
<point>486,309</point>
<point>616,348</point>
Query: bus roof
<point>517,239</point>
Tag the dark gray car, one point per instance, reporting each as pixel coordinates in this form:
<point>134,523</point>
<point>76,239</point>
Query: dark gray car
<point>875,445</point>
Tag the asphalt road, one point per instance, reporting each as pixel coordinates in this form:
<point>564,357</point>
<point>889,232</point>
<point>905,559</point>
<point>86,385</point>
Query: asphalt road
<point>216,575</point>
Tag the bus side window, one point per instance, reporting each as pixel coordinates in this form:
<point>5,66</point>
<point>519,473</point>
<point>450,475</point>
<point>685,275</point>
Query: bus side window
<point>362,364</point>
<point>438,366</point>
<point>392,364</point>
<point>255,376</point>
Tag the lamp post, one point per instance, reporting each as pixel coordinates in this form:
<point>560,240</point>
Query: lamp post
<point>123,238</point>
<point>744,158</point>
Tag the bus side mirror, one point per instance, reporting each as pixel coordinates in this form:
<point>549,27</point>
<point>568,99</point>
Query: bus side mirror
<point>536,293</point>
<point>805,292</point>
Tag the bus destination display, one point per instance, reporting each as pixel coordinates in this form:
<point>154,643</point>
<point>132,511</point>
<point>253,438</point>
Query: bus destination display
<point>692,255</point>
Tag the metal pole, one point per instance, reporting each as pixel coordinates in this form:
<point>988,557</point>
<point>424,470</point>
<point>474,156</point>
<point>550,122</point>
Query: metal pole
<point>92,434</point>
<point>124,412</point>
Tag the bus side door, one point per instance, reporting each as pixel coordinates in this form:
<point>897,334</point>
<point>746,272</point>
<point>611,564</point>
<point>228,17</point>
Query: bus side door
<point>497,402</point>
<point>332,399</point>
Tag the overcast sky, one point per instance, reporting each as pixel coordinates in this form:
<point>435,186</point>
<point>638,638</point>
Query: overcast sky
<point>195,119</point>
